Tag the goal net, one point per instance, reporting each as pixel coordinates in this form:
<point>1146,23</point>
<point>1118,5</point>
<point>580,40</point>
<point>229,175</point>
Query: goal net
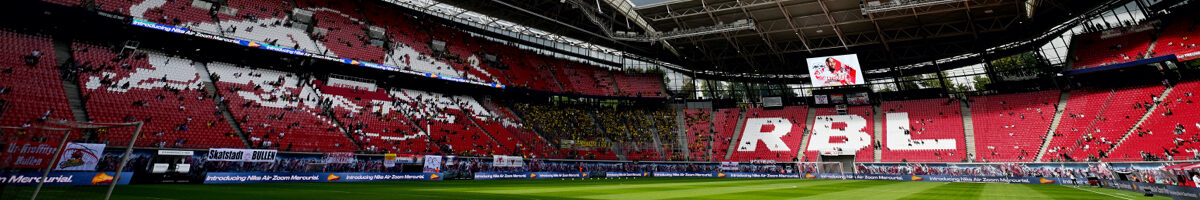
<point>67,160</point>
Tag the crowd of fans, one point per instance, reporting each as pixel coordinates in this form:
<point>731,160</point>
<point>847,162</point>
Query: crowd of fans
<point>636,128</point>
<point>699,125</point>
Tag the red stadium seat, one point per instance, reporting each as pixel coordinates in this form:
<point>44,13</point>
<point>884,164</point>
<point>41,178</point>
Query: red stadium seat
<point>267,103</point>
<point>1012,127</point>
<point>796,115</point>
<point>176,110</point>
<point>1096,119</point>
<point>939,119</point>
<point>1111,47</point>
<point>29,102</point>
<point>865,154</point>
<point>1158,134</point>
<point>701,142</point>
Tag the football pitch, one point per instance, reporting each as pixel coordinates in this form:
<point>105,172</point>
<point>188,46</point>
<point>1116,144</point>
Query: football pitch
<point>644,188</point>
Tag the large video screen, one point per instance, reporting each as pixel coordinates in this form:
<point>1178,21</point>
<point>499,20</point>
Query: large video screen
<point>835,70</point>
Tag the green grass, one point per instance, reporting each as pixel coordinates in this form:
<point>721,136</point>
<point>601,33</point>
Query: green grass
<point>645,188</point>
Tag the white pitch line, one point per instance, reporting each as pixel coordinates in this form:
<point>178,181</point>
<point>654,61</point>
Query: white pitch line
<point>1106,194</point>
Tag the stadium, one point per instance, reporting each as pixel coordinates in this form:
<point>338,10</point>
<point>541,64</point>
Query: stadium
<point>599,99</point>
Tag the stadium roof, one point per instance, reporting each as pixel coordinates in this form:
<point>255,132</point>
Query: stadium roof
<point>788,31</point>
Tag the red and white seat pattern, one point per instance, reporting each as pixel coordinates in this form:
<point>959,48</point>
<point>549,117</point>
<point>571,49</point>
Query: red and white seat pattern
<point>407,45</point>
<point>844,134</point>
<point>927,130</point>
<point>447,119</point>
<point>771,134</point>
<point>269,103</point>
<point>372,119</point>
<point>164,92</point>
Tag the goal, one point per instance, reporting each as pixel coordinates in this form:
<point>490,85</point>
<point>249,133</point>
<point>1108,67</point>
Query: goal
<point>50,159</point>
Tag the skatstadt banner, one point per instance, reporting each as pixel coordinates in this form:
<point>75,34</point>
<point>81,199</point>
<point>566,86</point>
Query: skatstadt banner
<point>302,177</point>
<point>242,155</point>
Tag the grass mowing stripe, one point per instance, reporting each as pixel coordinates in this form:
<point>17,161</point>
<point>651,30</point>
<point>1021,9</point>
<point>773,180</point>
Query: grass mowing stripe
<point>1006,191</point>
<point>1064,192</point>
<point>543,189</point>
<point>876,190</point>
<point>949,191</point>
<point>659,188</point>
<point>696,192</point>
<point>786,193</point>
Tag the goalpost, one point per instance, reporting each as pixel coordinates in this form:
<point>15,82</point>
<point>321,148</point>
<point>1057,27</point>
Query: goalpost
<point>32,152</point>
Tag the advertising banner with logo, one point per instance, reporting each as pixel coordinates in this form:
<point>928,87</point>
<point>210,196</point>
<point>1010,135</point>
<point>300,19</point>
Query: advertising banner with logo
<point>433,163</point>
<point>626,174</point>
<point>538,175</point>
<point>947,178</point>
<point>821,99</point>
<point>175,153</point>
<point>1173,191</point>
<point>882,177</point>
<point>339,157</point>
<point>389,160</point>
<point>686,174</point>
<point>242,155</point>
<point>507,161</point>
<point>65,178</point>
<point>502,175</point>
<point>729,166</point>
<point>408,159</point>
<point>759,175</point>
<point>313,177</point>
<point>528,175</point>
<point>27,155</point>
<point>828,176</point>
<point>80,157</point>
